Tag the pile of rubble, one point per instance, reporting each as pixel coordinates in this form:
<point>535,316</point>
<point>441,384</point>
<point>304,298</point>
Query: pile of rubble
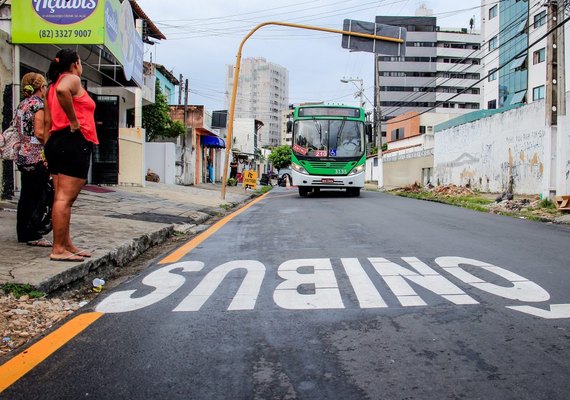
<point>451,190</point>
<point>25,318</point>
<point>509,204</point>
<point>444,190</point>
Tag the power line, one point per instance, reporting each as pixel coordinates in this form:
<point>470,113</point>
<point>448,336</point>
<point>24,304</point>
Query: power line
<point>519,54</point>
<point>413,96</point>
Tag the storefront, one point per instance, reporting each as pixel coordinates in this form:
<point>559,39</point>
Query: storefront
<point>104,33</point>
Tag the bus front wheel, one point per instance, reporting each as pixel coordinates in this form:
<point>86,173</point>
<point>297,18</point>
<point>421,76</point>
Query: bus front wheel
<point>303,191</point>
<point>353,192</point>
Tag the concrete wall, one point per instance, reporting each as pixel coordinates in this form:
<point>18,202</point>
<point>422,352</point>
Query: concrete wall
<point>131,156</point>
<point>160,158</point>
<point>486,152</point>
<point>405,171</point>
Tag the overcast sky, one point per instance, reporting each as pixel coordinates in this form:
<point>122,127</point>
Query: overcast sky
<point>202,37</point>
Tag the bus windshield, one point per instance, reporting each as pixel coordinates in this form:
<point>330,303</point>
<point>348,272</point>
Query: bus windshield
<point>328,138</point>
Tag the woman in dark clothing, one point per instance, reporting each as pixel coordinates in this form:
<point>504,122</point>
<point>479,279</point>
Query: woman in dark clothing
<point>29,122</point>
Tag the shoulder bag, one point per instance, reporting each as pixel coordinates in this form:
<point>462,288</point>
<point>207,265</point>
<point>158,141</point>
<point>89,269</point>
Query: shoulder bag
<point>10,141</point>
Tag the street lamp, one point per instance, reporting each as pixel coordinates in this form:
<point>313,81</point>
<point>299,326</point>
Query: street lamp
<point>360,92</point>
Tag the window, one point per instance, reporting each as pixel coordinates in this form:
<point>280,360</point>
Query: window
<point>493,12</point>
<point>493,43</point>
<point>538,93</point>
<point>492,75</point>
<point>492,104</point>
<point>398,134</point>
<point>539,56</point>
<point>539,19</point>
<point>422,129</point>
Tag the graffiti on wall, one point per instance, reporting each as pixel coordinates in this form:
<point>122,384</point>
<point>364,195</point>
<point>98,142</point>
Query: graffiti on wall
<point>524,155</point>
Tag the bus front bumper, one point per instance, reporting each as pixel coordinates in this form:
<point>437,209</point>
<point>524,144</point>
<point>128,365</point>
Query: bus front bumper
<point>327,181</point>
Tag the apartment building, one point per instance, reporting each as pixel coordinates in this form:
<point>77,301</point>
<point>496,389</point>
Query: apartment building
<point>517,52</point>
<point>263,94</point>
<point>439,72</point>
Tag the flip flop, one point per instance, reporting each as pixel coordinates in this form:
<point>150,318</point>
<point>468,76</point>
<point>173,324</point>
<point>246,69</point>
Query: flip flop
<point>40,243</point>
<point>70,258</point>
<point>83,253</point>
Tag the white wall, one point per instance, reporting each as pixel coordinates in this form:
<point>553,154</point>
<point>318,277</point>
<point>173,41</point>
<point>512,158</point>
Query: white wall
<point>243,133</point>
<point>131,156</point>
<point>486,152</point>
<point>160,157</point>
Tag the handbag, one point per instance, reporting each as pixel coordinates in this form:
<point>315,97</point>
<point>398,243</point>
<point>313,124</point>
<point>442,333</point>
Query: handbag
<point>41,217</point>
<point>10,141</point>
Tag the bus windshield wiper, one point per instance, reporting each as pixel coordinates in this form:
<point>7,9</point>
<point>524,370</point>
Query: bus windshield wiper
<point>339,132</point>
<point>318,126</point>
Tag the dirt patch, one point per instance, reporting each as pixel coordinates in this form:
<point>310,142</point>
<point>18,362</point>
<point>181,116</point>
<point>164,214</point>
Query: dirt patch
<point>25,319</point>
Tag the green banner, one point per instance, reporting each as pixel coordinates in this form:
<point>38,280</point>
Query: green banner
<point>58,22</point>
<point>105,22</point>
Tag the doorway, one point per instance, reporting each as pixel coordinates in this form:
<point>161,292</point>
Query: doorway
<point>105,163</point>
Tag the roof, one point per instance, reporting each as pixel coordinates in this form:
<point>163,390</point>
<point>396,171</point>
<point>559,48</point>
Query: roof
<point>151,29</point>
<point>167,74</point>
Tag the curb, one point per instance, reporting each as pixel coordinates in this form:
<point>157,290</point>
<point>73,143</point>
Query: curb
<point>123,254</point>
<point>116,258</point>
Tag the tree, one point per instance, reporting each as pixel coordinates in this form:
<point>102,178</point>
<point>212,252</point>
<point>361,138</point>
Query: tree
<point>156,118</point>
<point>280,157</point>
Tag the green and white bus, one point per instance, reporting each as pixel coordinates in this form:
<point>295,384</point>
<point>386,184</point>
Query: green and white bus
<point>329,148</point>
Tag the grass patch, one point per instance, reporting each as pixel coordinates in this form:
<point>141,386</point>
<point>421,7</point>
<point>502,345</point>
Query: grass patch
<point>544,210</point>
<point>475,202</point>
<point>228,206</point>
<point>21,290</point>
<point>263,189</point>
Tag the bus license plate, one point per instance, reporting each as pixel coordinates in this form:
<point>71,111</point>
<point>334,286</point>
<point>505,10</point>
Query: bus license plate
<point>327,180</point>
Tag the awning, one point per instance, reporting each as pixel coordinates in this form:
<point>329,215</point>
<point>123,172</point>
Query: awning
<point>213,141</point>
<point>518,97</point>
<point>518,62</point>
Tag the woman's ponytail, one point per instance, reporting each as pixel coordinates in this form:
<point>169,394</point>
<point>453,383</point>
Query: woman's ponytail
<point>61,63</point>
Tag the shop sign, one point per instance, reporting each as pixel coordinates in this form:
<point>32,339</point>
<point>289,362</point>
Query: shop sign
<point>72,22</point>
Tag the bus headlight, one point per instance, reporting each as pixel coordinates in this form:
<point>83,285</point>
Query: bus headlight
<point>357,170</point>
<point>298,168</point>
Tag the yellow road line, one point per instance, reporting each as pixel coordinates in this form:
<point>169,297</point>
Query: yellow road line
<point>177,254</point>
<point>24,362</point>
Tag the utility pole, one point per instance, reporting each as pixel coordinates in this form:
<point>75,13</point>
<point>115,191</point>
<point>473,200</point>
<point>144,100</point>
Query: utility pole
<point>378,121</point>
<point>551,100</point>
<point>552,95</point>
<point>180,90</point>
<point>185,169</point>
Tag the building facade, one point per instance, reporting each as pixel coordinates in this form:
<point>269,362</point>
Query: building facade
<point>114,78</point>
<point>516,52</point>
<point>439,72</point>
<point>263,93</point>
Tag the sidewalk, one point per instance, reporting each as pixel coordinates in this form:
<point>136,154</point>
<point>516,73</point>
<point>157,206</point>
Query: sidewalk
<point>116,223</point>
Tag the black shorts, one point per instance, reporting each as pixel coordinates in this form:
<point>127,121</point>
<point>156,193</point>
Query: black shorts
<point>68,153</point>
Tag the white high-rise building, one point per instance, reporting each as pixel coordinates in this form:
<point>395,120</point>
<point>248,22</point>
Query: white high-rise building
<point>263,94</point>
<point>439,72</point>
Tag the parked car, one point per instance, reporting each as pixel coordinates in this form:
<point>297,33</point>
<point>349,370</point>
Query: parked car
<point>284,175</point>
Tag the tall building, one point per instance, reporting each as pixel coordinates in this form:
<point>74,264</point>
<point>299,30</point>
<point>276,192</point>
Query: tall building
<point>438,65</point>
<point>263,94</point>
<point>506,34</point>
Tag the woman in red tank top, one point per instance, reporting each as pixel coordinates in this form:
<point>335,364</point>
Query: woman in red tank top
<point>70,121</point>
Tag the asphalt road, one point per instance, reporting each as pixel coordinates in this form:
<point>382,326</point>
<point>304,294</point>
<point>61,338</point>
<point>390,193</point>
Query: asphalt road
<point>334,297</point>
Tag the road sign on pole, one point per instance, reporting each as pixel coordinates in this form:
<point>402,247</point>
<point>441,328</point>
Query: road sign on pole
<point>354,43</point>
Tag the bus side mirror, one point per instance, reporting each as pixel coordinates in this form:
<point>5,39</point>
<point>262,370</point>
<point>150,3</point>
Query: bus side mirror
<point>368,130</point>
<point>289,126</point>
